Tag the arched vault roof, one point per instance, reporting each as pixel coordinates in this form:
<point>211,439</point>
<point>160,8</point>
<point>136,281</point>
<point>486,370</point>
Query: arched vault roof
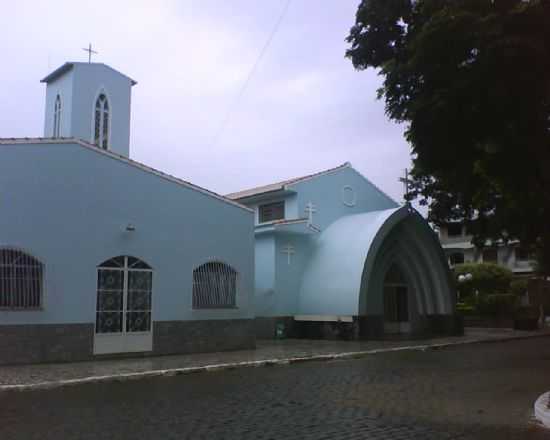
<point>345,272</point>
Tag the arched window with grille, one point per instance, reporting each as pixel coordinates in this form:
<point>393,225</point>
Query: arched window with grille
<point>101,122</point>
<point>57,117</point>
<point>20,280</point>
<point>214,286</point>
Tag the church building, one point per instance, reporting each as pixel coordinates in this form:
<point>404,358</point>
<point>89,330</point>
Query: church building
<point>101,255</point>
<point>336,257</point>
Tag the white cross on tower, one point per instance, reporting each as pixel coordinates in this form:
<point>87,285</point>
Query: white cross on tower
<point>310,209</point>
<point>289,251</point>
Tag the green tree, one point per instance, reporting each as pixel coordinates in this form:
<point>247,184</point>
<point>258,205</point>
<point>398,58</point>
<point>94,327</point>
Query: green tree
<point>471,80</point>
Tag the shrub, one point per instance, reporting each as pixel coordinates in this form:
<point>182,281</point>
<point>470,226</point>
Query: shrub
<point>518,287</point>
<point>465,309</point>
<point>487,279</point>
<point>497,304</point>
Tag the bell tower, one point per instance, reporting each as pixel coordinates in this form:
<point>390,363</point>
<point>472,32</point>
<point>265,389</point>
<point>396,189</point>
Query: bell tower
<point>91,102</point>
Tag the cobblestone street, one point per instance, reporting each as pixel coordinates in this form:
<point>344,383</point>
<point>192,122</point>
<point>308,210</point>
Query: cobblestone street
<point>482,391</point>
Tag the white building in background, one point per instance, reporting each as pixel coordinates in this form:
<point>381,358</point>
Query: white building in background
<point>458,246</point>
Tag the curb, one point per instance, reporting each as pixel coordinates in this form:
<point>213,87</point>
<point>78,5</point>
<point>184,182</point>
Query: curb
<point>124,377</point>
<point>542,409</point>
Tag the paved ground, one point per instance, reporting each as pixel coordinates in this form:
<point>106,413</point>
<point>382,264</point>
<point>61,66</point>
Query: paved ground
<point>481,391</point>
<point>267,350</point>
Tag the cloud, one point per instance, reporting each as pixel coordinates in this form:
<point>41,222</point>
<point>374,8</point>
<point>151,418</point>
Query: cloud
<point>304,109</point>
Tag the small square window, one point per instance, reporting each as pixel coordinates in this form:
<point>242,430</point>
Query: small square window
<point>271,212</point>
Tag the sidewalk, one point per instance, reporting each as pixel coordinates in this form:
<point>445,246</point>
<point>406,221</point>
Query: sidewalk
<point>268,352</point>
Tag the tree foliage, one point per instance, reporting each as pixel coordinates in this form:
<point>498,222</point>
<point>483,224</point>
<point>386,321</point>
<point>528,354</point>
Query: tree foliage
<point>471,80</point>
<point>487,279</point>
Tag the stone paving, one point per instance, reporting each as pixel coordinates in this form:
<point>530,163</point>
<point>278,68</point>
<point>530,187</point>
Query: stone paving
<point>466,392</point>
<point>48,375</point>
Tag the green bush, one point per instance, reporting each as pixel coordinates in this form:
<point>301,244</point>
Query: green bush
<point>465,309</point>
<point>497,304</point>
<point>518,287</point>
<point>487,279</point>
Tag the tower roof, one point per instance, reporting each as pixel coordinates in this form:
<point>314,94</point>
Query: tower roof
<point>70,65</point>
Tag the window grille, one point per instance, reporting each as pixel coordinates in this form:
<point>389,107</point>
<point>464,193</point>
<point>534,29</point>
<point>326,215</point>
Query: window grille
<point>20,280</point>
<point>272,211</point>
<point>214,286</point>
<point>57,117</point>
<point>101,122</point>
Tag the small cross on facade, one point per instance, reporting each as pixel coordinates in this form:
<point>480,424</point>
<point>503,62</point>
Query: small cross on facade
<point>90,52</point>
<point>310,209</point>
<point>289,251</point>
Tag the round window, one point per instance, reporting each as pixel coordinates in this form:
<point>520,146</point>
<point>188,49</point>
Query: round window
<point>349,197</point>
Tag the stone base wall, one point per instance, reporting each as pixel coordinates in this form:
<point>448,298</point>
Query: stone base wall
<point>267,328</point>
<point>41,343</point>
<point>361,328</point>
<point>26,344</point>
<point>178,337</point>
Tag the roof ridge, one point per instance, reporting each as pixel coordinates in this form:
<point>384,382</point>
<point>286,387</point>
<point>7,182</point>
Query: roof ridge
<point>143,167</point>
<point>261,189</point>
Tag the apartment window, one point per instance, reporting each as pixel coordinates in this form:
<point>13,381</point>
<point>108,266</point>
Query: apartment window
<point>271,212</point>
<point>454,229</point>
<point>456,258</point>
<point>522,254</point>
<point>490,255</point>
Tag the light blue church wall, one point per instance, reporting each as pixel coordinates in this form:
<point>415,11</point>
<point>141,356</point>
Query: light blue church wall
<point>289,276</point>
<point>79,86</point>
<point>68,205</point>
<point>339,193</point>
<point>63,87</point>
<point>265,298</point>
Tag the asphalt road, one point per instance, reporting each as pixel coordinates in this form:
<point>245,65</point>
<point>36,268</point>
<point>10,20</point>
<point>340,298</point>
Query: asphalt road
<point>483,391</point>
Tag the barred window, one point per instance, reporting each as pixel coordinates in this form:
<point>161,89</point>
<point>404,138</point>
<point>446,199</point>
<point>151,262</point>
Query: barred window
<point>214,286</point>
<point>20,280</point>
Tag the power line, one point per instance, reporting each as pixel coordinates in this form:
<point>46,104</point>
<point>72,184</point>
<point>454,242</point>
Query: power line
<point>239,95</point>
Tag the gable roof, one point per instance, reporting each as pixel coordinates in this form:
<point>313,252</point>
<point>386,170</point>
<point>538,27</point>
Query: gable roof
<point>128,161</point>
<point>69,66</point>
<point>279,186</point>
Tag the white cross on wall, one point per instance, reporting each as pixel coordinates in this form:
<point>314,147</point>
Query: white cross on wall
<point>310,209</point>
<point>289,251</point>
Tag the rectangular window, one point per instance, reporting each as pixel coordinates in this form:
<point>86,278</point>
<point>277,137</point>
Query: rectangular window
<point>271,212</point>
<point>490,255</point>
<point>454,229</point>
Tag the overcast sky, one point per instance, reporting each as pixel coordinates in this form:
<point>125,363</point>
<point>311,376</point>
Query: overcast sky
<point>305,108</point>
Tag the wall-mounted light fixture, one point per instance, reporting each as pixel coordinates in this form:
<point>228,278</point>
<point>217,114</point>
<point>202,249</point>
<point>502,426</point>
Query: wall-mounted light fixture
<point>130,227</point>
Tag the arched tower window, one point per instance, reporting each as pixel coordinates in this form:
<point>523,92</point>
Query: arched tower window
<point>57,117</point>
<point>101,122</point>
